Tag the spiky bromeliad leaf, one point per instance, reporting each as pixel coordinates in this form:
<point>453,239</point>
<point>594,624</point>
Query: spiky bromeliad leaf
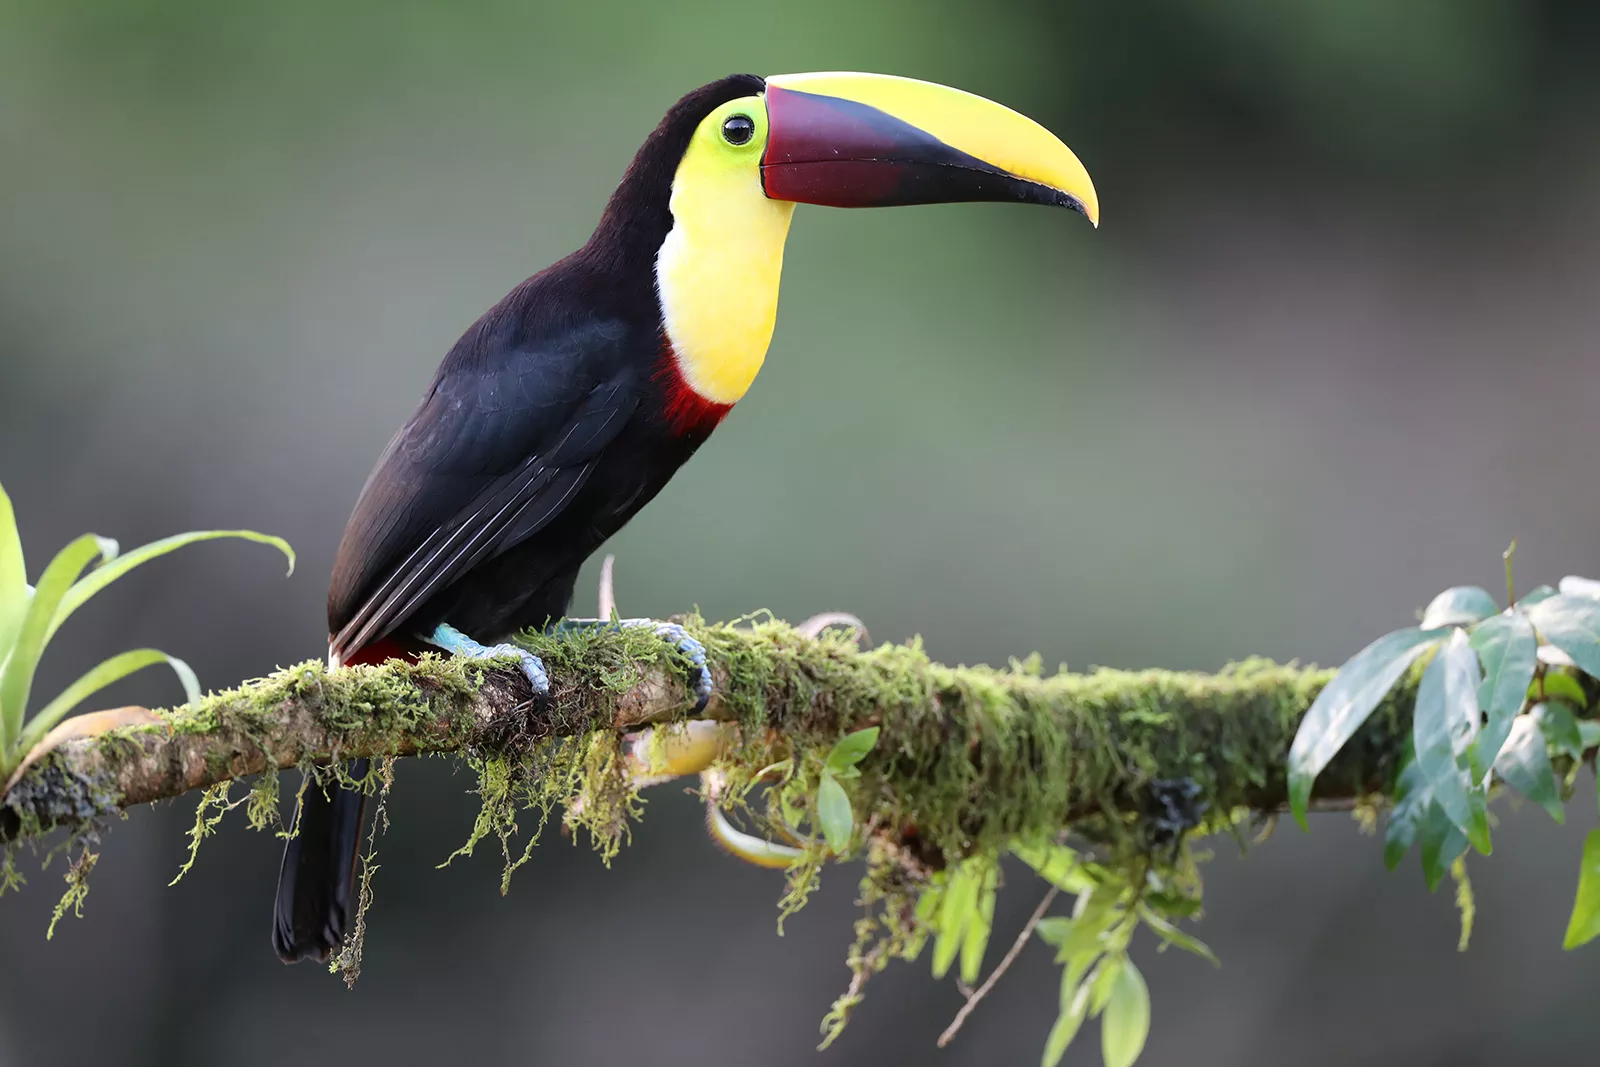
<point>13,577</point>
<point>16,681</point>
<point>14,597</point>
<point>1584,925</point>
<point>97,678</point>
<point>112,569</point>
<point>1461,606</point>
<point>1508,649</point>
<point>1345,704</point>
<point>1443,729</point>
<point>62,589</point>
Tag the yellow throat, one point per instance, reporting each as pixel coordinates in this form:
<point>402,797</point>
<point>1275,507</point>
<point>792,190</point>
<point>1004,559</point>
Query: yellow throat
<point>718,270</point>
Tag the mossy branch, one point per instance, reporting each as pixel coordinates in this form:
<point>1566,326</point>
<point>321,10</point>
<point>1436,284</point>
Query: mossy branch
<point>967,755</point>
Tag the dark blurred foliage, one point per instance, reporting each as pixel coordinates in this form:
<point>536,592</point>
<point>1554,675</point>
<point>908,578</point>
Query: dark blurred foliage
<point>1332,348</point>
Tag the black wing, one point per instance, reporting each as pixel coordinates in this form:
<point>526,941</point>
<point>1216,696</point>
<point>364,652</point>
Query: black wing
<point>504,440</point>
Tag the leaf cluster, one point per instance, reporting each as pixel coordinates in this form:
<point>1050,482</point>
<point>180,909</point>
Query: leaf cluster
<point>1498,704</point>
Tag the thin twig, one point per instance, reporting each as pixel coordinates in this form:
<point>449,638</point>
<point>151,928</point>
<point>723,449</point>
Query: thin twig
<point>1000,969</point>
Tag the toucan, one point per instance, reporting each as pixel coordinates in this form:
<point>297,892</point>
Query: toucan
<point>570,404</point>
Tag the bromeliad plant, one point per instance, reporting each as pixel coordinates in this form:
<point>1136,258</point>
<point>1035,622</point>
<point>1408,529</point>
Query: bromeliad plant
<point>1495,707</point>
<point>30,615</point>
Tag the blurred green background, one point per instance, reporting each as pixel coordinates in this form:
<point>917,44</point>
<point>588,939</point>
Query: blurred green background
<point>1333,346</point>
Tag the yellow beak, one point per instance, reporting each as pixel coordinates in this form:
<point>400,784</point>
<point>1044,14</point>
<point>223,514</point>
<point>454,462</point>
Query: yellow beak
<point>873,140</point>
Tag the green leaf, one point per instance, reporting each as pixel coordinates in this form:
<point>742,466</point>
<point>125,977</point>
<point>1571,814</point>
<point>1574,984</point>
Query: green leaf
<point>13,577</point>
<point>1558,685</point>
<point>1074,1009</point>
<point>1508,649</point>
<point>1572,624</point>
<point>1461,606</point>
<point>97,678</point>
<point>1560,729</point>
<point>1126,1022</point>
<point>1588,733</point>
<point>851,750</point>
<point>955,908</point>
<point>1441,843</point>
<point>833,812</point>
<point>976,936</point>
<point>1537,595</point>
<point>1172,935</point>
<point>1056,864</point>
<point>1572,585</point>
<point>1104,982</point>
<point>1054,929</point>
<point>1584,925</point>
<point>1084,936</point>
<point>16,681</point>
<point>1344,705</point>
<point>1412,799</point>
<point>111,570</point>
<point>1444,727</point>
<point>1524,763</point>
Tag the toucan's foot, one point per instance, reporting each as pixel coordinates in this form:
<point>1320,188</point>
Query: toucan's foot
<point>691,649</point>
<point>457,643</point>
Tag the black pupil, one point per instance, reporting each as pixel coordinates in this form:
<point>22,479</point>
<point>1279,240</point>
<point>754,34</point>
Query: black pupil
<point>738,129</point>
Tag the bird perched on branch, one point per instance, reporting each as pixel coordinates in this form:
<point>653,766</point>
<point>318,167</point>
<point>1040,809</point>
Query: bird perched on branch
<point>569,404</point>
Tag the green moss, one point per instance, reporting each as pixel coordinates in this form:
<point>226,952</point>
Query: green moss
<point>262,808</point>
<point>348,961</point>
<point>1466,904</point>
<point>10,878</point>
<point>77,879</point>
<point>208,813</point>
<point>968,761</point>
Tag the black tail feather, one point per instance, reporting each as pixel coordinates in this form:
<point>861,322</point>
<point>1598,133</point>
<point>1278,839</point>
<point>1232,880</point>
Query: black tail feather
<point>317,880</point>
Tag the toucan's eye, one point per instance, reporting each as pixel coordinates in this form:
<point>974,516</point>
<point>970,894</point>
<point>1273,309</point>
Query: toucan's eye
<point>738,129</point>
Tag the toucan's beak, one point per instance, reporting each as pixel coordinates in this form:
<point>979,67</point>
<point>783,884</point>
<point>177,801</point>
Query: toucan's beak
<point>871,140</point>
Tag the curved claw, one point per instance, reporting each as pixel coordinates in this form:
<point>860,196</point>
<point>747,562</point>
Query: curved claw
<point>745,846</point>
<point>457,643</point>
<point>814,626</point>
<point>736,842</point>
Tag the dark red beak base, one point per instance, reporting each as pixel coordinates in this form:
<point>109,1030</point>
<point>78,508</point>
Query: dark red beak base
<point>840,153</point>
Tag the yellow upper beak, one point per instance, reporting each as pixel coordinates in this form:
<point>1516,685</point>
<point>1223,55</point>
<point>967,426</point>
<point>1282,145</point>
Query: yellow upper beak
<point>869,140</point>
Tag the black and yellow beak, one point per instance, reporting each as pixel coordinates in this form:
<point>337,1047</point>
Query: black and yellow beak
<point>872,140</point>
